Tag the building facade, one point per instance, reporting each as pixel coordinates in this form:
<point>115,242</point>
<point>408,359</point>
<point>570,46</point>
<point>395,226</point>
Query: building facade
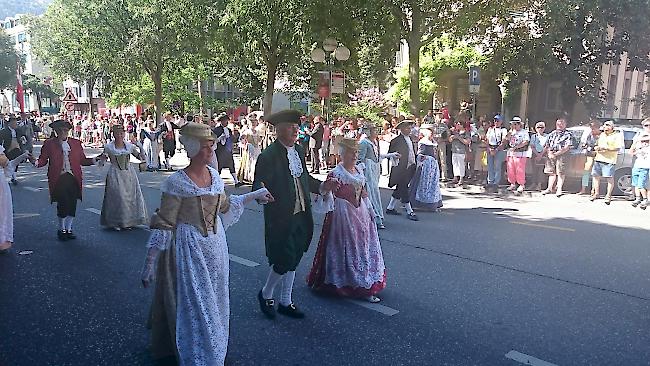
<point>17,30</point>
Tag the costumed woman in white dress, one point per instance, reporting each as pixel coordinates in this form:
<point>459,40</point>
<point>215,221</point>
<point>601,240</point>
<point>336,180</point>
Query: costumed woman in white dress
<point>190,312</point>
<point>348,260</point>
<point>123,206</point>
<point>250,150</point>
<point>6,205</point>
<point>149,139</point>
<point>424,188</point>
<point>371,158</point>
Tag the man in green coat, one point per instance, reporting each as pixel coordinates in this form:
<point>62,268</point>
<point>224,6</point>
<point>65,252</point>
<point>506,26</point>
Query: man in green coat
<point>288,221</point>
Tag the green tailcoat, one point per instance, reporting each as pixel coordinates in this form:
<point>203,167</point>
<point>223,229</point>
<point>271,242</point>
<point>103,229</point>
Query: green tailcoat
<point>287,236</point>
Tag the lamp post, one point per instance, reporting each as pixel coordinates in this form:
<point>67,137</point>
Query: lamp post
<point>336,52</point>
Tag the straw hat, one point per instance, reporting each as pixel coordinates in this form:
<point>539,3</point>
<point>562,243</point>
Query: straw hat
<point>198,131</point>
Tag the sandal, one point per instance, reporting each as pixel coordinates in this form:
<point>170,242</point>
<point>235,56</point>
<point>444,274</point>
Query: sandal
<point>608,200</point>
<point>594,197</point>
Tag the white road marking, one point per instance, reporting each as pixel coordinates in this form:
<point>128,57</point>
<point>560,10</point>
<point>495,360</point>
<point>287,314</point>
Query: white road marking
<point>375,307</point>
<point>94,210</point>
<point>32,189</point>
<point>243,261</point>
<point>526,359</point>
<point>543,226</point>
<point>25,215</point>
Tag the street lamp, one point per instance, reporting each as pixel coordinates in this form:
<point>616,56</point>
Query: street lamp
<point>336,52</point>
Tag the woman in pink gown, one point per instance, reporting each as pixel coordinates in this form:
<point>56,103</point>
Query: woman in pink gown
<point>348,260</point>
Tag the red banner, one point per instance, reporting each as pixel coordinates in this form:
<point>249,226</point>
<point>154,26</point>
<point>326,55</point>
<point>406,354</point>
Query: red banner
<point>20,92</point>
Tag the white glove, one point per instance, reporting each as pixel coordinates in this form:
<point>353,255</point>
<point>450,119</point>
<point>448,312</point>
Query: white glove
<point>262,196</point>
<point>148,271</point>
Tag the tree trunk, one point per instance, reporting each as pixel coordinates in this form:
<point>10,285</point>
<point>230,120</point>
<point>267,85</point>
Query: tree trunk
<point>414,41</point>
<point>156,77</point>
<point>90,84</point>
<point>272,69</point>
<point>199,86</point>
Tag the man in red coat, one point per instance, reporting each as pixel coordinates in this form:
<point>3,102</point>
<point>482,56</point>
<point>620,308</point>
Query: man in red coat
<point>64,157</point>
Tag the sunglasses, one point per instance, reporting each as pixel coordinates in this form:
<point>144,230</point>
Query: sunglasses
<point>608,124</point>
<point>646,125</point>
<point>539,127</point>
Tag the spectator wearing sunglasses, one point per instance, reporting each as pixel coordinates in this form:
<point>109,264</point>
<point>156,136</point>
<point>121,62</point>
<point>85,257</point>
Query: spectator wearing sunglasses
<point>537,141</point>
<point>641,169</point>
<point>607,148</point>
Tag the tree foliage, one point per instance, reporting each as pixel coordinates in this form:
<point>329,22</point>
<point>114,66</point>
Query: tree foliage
<point>8,60</point>
<point>443,54</point>
<point>570,40</point>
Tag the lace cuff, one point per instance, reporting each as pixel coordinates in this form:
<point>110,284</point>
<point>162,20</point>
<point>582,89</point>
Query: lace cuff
<point>234,213</point>
<point>159,239</point>
<point>323,204</point>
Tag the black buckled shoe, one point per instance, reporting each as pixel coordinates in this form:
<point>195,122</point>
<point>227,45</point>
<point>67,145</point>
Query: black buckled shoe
<point>291,311</point>
<point>61,235</point>
<point>412,217</point>
<point>70,235</point>
<point>266,306</point>
<point>392,212</point>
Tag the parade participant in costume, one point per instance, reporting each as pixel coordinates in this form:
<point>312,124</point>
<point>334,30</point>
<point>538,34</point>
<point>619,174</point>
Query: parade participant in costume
<point>223,146</point>
<point>403,170</point>
<point>348,260</point>
<point>13,139</point>
<point>6,204</point>
<point>250,150</point>
<point>190,311</point>
<point>169,139</point>
<point>149,140</point>
<point>64,157</point>
<point>288,222</point>
<point>370,157</point>
<point>123,205</point>
<point>424,188</point>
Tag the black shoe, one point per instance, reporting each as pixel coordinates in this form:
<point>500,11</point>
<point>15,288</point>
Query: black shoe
<point>239,184</point>
<point>392,212</point>
<point>62,235</point>
<point>267,306</point>
<point>70,235</point>
<point>291,311</point>
<point>14,181</point>
<point>412,217</point>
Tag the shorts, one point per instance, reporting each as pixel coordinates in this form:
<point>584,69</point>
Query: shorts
<point>640,177</point>
<point>604,170</point>
<point>556,165</point>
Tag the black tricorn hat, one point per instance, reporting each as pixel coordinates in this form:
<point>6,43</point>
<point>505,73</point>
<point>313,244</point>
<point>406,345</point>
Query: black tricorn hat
<point>60,123</point>
<point>285,116</point>
<point>222,116</point>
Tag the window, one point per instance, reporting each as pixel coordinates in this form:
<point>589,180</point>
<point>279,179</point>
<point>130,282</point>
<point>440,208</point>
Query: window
<point>22,37</point>
<point>639,95</point>
<point>553,97</point>
<point>625,102</point>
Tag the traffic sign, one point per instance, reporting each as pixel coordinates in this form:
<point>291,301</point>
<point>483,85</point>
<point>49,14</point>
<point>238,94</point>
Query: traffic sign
<point>69,96</point>
<point>474,89</point>
<point>474,75</point>
<point>69,106</point>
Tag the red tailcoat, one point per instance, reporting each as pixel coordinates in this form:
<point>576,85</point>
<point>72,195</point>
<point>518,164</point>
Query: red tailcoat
<point>52,155</point>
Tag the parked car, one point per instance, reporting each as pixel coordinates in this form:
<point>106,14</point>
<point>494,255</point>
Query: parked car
<point>623,172</point>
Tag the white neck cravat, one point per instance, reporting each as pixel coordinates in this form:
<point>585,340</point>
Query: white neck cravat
<point>65,146</point>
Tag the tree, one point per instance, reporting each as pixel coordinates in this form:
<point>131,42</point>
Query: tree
<point>422,22</point>
<point>443,54</point>
<point>8,60</point>
<point>264,37</point>
<point>65,42</point>
<point>35,85</point>
<point>570,41</point>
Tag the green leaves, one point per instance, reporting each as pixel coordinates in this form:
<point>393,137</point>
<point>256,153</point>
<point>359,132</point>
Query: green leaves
<point>8,60</point>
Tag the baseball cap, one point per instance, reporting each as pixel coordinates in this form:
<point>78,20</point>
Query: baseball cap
<point>499,117</point>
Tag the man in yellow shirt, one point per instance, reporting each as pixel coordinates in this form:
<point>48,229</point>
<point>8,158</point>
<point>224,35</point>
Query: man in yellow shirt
<point>607,148</point>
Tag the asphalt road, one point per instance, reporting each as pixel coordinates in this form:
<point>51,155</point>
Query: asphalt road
<point>492,280</point>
